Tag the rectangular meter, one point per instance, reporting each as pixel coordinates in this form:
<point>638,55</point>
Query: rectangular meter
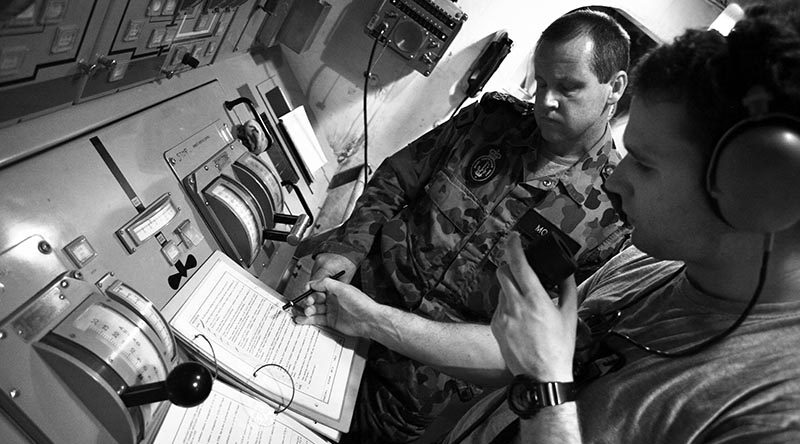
<point>147,223</point>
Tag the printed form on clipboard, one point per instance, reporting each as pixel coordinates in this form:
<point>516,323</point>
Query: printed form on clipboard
<point>231,416</point>
<point>256,344</point>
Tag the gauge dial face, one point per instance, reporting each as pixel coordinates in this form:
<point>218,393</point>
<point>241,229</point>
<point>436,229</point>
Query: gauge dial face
<point>243,212</point>
<point>267,175</point>
<point>138,303</point>
<point>122,344</point>
<point>118,341</point>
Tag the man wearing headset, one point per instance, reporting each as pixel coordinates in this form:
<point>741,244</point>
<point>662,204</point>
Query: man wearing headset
<point>428,232</point>
<point>692,335</point>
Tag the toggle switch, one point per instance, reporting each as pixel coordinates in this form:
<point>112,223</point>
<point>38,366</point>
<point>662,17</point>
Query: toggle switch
<point>190,60</point>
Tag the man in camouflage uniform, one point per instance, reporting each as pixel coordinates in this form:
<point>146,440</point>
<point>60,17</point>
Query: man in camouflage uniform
<point>428,234</point>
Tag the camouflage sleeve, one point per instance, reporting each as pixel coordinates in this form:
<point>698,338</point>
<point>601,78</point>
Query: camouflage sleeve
<point>396,184</point>
<point>591,260</point>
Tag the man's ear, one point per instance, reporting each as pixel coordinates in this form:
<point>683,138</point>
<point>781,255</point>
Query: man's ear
<point>618,84</point>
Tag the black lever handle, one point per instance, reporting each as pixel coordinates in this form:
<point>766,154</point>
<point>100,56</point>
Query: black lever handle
<point>293,187</point>
<point>299,223</point>
<point>187,385</point>
<point>295,235</point>
<point>230,104</point>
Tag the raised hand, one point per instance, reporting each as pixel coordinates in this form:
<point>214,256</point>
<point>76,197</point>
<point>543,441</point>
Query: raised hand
<point>536,336</point>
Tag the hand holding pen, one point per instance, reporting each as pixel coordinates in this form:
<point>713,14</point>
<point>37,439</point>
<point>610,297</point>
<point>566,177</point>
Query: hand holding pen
<point>308,292</point>
<point>342,307</point>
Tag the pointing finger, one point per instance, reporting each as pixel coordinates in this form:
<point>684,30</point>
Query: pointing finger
<point>315,309</point>
<point>507,284</point>
<point>568,295</point>
<point>311,320</point>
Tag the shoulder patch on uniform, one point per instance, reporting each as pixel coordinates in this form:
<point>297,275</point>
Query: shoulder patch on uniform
<point>467,115</point>
<point>493,101</point>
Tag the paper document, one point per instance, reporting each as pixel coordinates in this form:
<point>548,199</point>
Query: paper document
<point>301,133</point>
<point>259,347</point>
<point>231,416</point>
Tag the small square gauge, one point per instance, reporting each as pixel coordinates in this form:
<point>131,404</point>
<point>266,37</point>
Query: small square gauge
<point>80,251</point>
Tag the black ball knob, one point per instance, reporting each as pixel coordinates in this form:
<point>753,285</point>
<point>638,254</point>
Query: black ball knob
<point>187,385</point>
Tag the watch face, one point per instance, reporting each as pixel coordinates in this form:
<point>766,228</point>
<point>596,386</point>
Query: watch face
<point>522,398</point>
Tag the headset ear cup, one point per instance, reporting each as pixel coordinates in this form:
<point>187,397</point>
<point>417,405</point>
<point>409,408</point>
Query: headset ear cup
<point>754,174</point>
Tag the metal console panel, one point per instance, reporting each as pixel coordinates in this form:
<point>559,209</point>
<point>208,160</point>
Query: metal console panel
<point>68,348</point>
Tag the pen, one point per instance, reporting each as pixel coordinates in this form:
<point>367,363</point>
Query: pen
<point>308,292</point>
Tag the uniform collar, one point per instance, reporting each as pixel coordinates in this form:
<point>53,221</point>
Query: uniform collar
<point>579,180</point>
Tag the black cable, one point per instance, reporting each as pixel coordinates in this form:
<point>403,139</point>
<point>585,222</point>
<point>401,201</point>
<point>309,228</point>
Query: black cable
<point>367,76</point>
<point>697,348</point>
<point>213,354</point>
<point>460,104</point>
<point>284,408</point>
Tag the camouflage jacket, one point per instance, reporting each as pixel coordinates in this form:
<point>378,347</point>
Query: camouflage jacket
<point>429,229</point>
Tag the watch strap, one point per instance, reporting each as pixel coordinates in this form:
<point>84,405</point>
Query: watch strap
<point>555,393</point>
<point>526,396</point>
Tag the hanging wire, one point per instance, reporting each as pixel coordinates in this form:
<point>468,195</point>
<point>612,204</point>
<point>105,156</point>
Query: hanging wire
<point>460,104</point>
<point>367,76</point>
<point>691,350</point>
<point>697,348</point>
<point>213,354</point>
<point>283,409</point>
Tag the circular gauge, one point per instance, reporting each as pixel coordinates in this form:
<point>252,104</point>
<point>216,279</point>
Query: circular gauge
<point>262,181</point>
<point>408,37</point>
<point>235,211</point>
<point>122,344</point>
<point>141,305</point>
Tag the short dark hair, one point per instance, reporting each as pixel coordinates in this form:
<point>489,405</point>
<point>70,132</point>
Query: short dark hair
<point>611,42</point>
<point>711,74</point>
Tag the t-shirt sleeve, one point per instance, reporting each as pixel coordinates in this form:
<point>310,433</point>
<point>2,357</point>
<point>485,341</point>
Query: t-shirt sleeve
<point>777,422</point>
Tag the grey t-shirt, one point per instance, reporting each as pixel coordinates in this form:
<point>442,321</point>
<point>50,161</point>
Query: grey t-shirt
<point>745,389</point>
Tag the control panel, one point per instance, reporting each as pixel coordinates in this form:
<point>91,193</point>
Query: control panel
<point>72,347</point>
<point>114,194</point>
<point>124,216</point>
<point>238,195</point>
<point>420,31</point>
<point>54,53</point>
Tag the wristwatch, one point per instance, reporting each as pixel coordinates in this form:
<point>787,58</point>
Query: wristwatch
<point>526,396</point>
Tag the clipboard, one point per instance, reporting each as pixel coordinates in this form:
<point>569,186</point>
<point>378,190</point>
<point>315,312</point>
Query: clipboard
<point>185,312</point>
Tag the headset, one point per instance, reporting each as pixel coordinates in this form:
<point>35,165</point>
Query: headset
<point>753,177</point>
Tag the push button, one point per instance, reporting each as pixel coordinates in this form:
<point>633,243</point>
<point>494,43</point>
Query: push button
<point>157,38</point>
<point>133,30</point>
<point>54,11</point>
<point>11,59</point>
<point>64,40</point>
<point>171,252</point>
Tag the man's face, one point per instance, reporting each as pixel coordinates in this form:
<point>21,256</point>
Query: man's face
<point>571,103</point>
<point>660,185</point>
